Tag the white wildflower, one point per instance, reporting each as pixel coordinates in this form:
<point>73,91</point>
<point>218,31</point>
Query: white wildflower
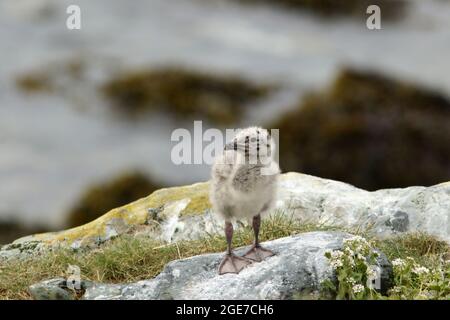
<point>398,263</point>
<point>423,296</point>
<point>351,261</point>
<point>420,270</point>
<point>337,254</point>
<point>357,288</point>
<point>336,263</point>
<point>351,281</point>
<point>359,256</point>
<point>348,251</point>
<point>396,289</point>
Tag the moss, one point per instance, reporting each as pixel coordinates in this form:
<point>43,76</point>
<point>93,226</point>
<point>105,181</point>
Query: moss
<point>106,196</point>
<point>48,78</point>
<point>182,92</point>
<point>34,82</point>
<point>371,131</point>
<point>390,9</point>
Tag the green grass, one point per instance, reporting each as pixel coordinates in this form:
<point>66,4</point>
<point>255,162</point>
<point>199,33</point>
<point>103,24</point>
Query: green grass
<point>420,246</point>
<point>129,258</point>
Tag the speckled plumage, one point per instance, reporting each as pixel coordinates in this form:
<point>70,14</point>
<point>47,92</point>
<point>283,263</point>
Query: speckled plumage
<point>238,188</point>
<point>244,180</point>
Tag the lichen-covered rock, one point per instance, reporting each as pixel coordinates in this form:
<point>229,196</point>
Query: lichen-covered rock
<point>144,215</point>
<point>179,213</point>
<point>299,265</point>
<point>104,196</point>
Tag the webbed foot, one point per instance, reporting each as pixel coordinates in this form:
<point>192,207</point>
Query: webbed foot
<point>258,253</point>
<point>231,263</point>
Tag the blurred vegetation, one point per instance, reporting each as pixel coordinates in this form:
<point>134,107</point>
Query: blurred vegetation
<point>51,78</point>
<point>184,93</point>
<point>370,131</point>
<point>103,197</point>
<point>390,9</point>
<point>12,230</point>
<point>34,82</point>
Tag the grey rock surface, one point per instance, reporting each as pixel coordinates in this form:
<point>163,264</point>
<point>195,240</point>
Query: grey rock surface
<point>299,265</point>
<point>384,212</point>
<point>56,289</point>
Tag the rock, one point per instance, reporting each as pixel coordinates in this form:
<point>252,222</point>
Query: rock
<point>180,213</point>
<point>384,212</point>
<point>144,216</point>
<point>399,222</point>
<point>299,265</point>
<point>104,196</point>
<point>55,289</point>
<point>21,248</point>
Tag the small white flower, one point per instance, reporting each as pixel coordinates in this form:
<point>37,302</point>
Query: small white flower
<point>351,261</point>
<point>398,263</point>
<point>348,251</point>
<point>357,288</point>
<point>396,289</point>
<point>423,296</point>
<point>351,281</point>
<point>336,263</point>
<point>337,254</point>
<point>420,270</point>
<point>359,256</point>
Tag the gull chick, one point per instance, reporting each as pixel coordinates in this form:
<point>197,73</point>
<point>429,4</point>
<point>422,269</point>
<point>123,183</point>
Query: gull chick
<point>244,180</point>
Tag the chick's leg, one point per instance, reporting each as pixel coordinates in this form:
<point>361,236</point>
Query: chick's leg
<point>256,252</point>
<point>231,263</point>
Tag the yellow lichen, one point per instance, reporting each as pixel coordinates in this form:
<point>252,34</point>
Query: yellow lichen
<point>133,214</point>
<point>198,194</point>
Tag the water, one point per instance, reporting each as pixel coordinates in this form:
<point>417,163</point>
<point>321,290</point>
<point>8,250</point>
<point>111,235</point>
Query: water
<point>53,146</point>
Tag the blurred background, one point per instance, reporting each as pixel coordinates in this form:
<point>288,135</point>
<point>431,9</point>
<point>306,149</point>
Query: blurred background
<point>86,115</point>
